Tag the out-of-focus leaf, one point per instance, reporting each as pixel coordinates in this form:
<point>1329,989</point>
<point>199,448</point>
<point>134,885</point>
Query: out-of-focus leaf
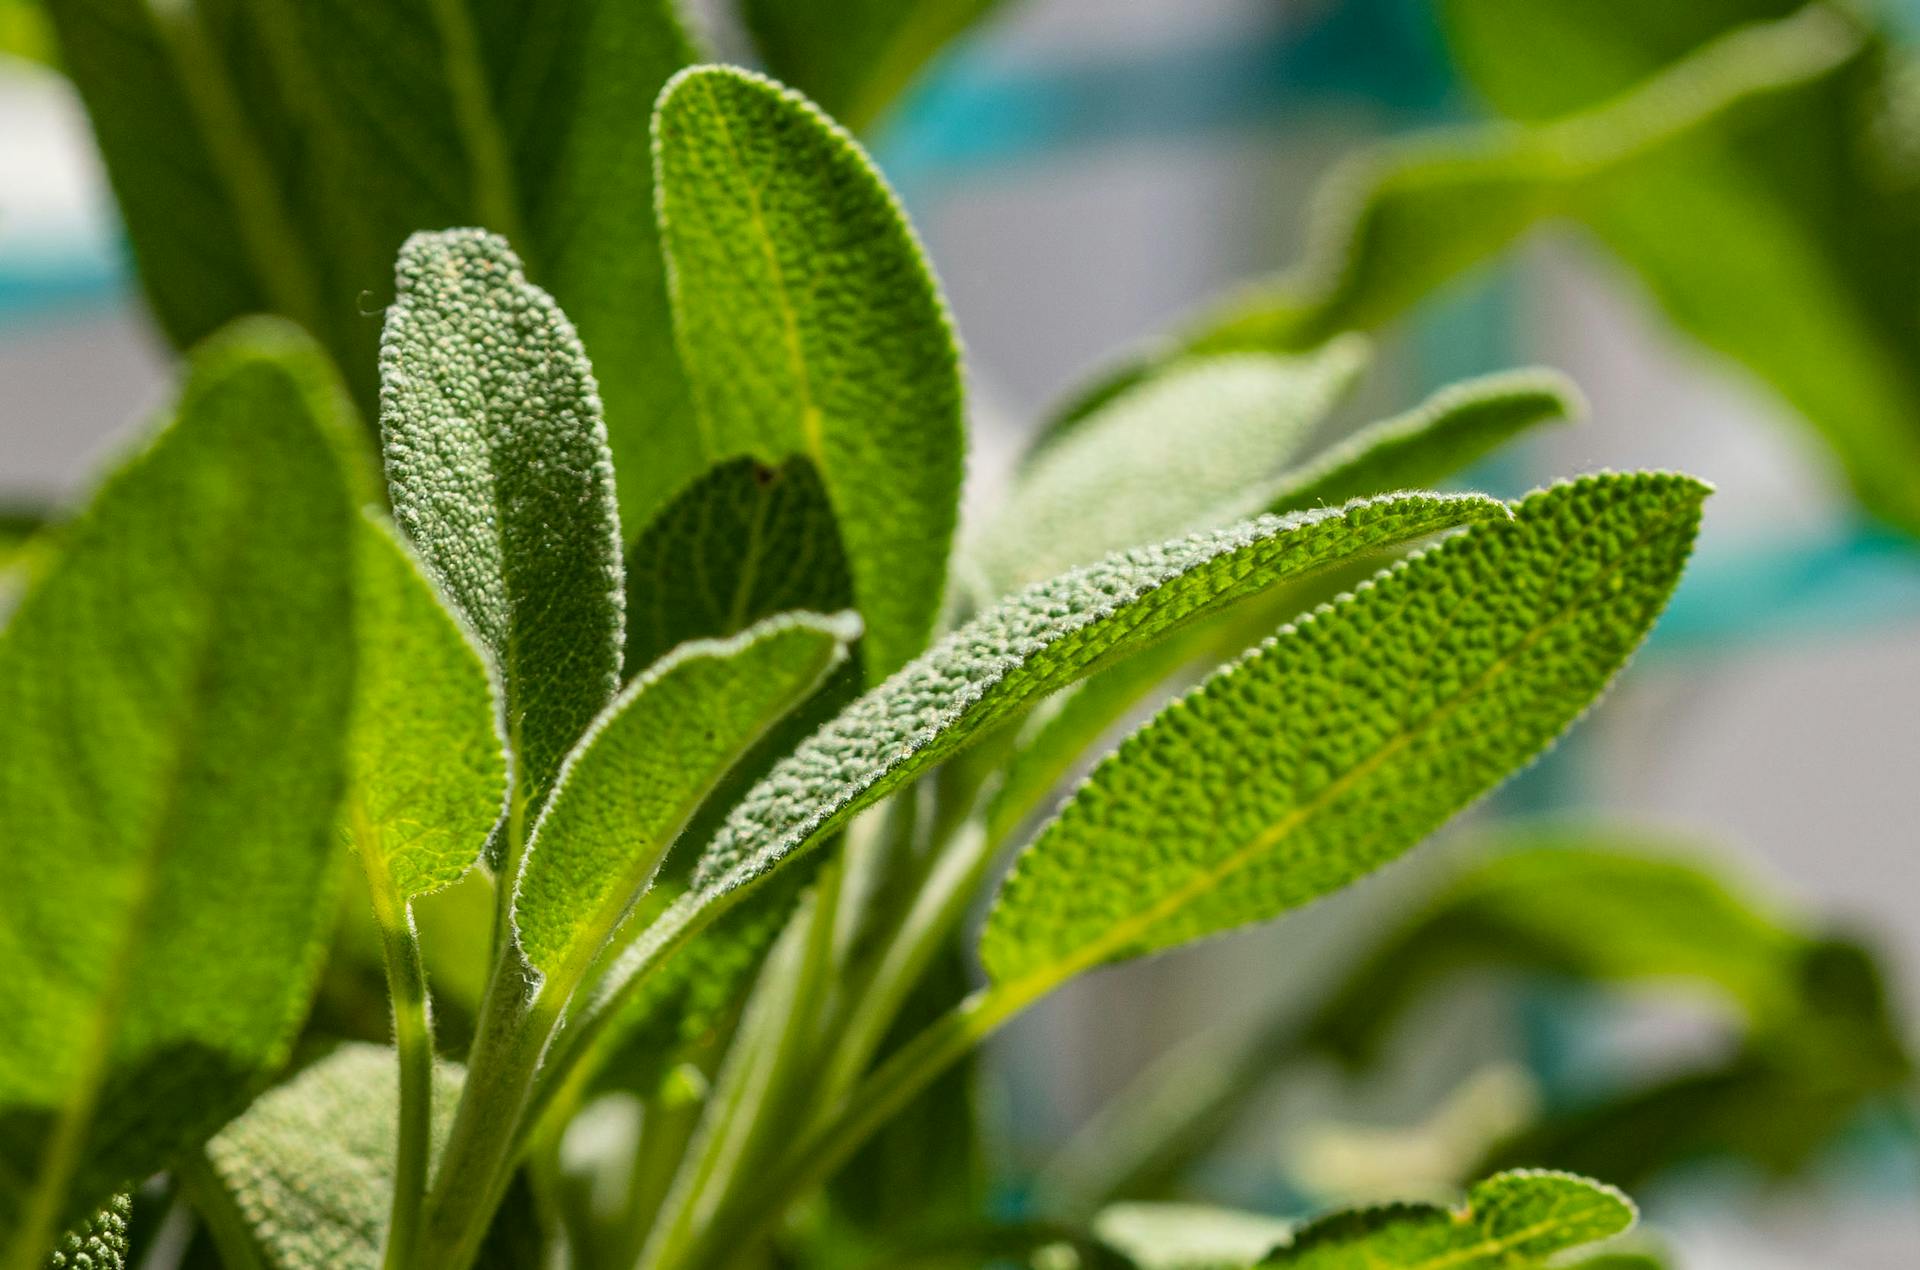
<point>1792,247</point>
<point>272,158</point>
<point>26,33</point>
<point>498,466</point>
<point>855,56</point>
<point>810,325</point>
<point>1393,225</point>
<point>1189,449</point>
<point>643,769</point>
<point>1511,1221</point>
<point>1023,649</point>
<point>1350,736</point>
<point>1190,1236</point>
<point>427,772</point>
<point>164,918</point>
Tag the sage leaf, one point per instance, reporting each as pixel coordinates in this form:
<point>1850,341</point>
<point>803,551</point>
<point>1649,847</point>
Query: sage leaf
<point>1842,244</point>
<point>855,56</point>
<point>164,919</point>
<point>1018,652</point>
<point>498,468</point>
<point>1511,1221</point>
<point>99,1243</point>
<point>1189,1236</point>
<point>1350,736</point>
<point>810,324</point>
<point>308,1169</point>
<point>1186,450</point>
<point>1450,430</point>
<point>644,768</point>
<point>1391,226</point>
<point>427,771</point>
<point>273,158</point>
<point>744,542</point>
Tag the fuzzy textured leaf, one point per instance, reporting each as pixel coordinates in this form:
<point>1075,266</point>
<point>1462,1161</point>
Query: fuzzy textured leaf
<point>164,919</point>
<point>272,157</point>
<point>1452,429</point>
<point>644,768</point>
<point>855,56</point>
<point>309,1168</point>
<point>1186,450</point>
<point>810,324</point>
<point>1511,1221</point>
<point>1350,736</point>
<point>498,467</point>
<point>427,771</point>
<point>99,1243</point>
<point>1016,653</point>
<point>742,543</point>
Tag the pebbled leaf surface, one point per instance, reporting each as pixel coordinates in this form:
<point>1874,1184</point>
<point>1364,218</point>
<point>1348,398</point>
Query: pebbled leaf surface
<point>309,1167</point>
<point>810,324</point>
<point>1511,1221</point>
<point>165,917</point>
<point>498,468</point>
<point>1351,735</point>
<point>427,771</point>
<point>644,768</point>
<point>744,542</point>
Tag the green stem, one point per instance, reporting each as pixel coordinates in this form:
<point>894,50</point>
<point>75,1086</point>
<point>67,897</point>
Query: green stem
<point>814,1158</point>
<point>413,1040</point>
<point>513,1031</point>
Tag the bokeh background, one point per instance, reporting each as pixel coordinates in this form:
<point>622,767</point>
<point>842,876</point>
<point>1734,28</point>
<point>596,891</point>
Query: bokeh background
<point>1085,172</point>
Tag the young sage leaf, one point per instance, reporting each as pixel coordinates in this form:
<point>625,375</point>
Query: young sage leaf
<point>1018,652</point>
<point>1186,450</point>
<point>644,768</point>
<point>427,774</point>
<point>165,916</point>
<point>1350,736</point>
<point>498,467</point>
<point>1511,1221</point>
<point>1443,435</point>
<point>810,324</point>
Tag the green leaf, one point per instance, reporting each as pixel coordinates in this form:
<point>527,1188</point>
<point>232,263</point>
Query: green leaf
<point>1018,652</point>
<point>1393,225</point>
<point>427,771</point>
<point>25,32</point>
<point>165,919</point>
<point>1454,428</point>
<point>273,157</point>
<point>1351,735</point>
<point>498,467</point>
<point>1821,205</point>
<point>1186,450</point>
<point>855,56</point>
<point>644,768</point>
<point>1509,1222</point>
<point>308,1170</point>
<point>99,1243</point>
<point>742,543</point>
<point>810,325</point>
